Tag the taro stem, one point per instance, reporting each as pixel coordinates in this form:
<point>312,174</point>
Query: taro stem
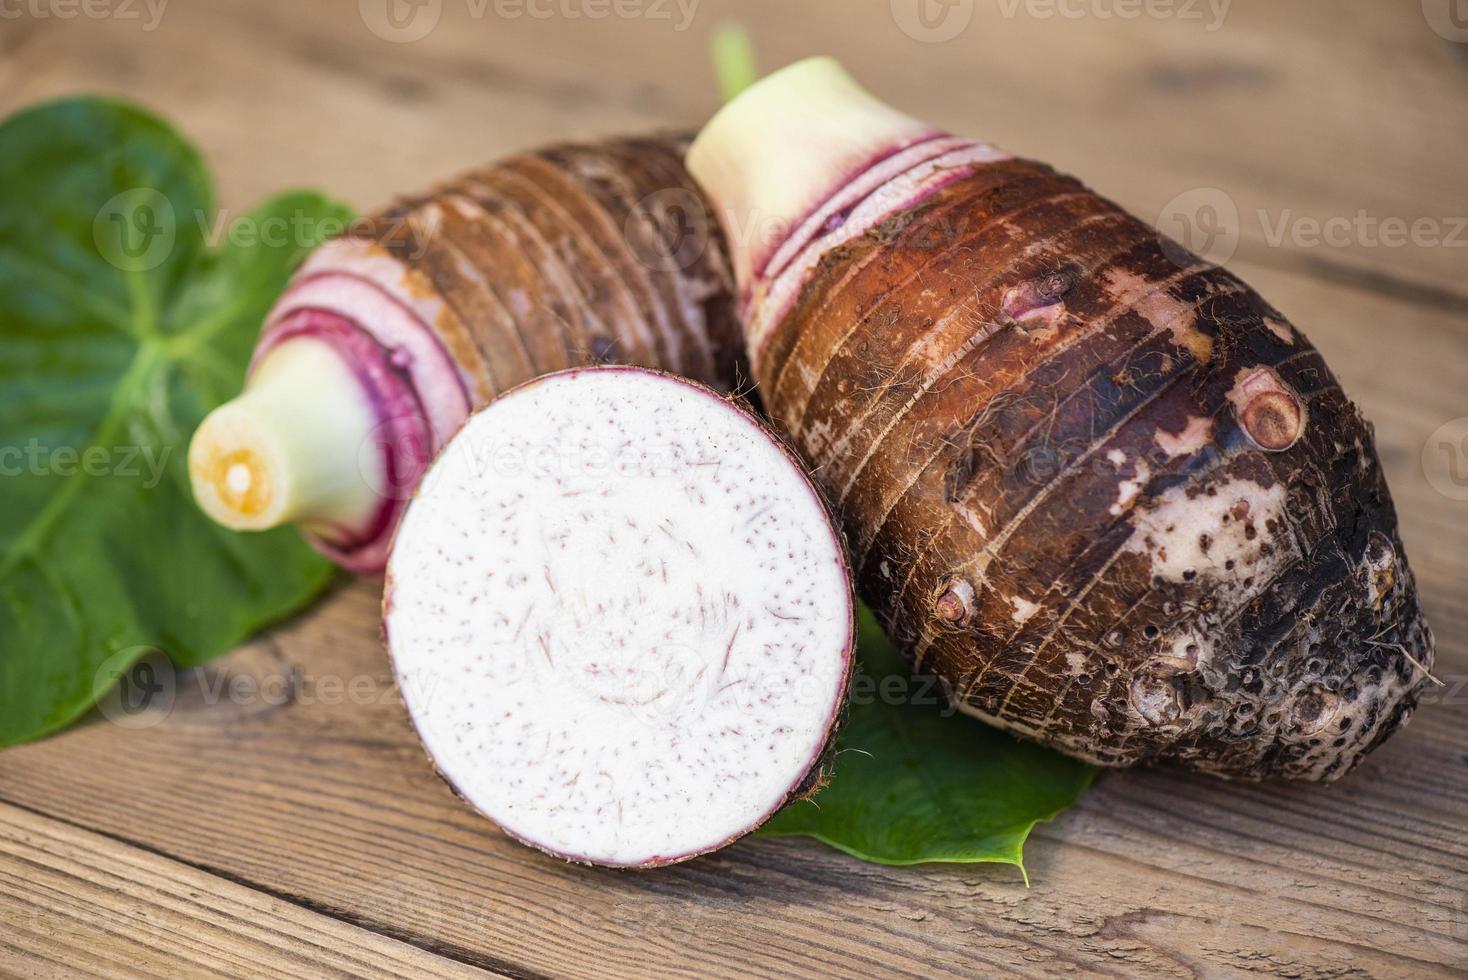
<point>290,447</point>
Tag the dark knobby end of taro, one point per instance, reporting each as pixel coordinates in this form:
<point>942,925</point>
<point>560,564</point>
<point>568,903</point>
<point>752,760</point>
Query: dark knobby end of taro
<point>1174,525</point>
<point>1281,633</point>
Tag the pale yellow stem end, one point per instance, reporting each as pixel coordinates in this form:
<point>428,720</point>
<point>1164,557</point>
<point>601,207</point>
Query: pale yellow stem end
<point>294,447</point>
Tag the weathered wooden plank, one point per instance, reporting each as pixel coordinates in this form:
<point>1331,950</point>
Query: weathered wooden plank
<point>1339,111</point>
<point>1315,108</point>
<point>1155,871</point>
<point>325,796</point>
<point>74,903</point>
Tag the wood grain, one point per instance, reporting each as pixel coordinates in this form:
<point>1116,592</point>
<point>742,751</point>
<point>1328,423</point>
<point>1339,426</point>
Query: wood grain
<point>323,796</point>
<point>74,903</point>
<point>306,808</point>
<point>1309,109</point>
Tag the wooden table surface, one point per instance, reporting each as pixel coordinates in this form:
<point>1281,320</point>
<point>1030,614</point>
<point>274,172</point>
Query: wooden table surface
<point>306,835</point>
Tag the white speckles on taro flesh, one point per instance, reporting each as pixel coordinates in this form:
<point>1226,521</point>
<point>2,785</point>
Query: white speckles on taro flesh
<point>620,617</point>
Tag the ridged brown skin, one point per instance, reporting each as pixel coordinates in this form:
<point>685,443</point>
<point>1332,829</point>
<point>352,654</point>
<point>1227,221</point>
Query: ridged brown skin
<point>1100,486</point>
<point>570,256</point>
<point>573,255</point>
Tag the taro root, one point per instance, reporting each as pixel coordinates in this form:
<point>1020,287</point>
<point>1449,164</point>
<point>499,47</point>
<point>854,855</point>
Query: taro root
<point>621,617</point>
<point>389,336</point>
<point>1102,487</point>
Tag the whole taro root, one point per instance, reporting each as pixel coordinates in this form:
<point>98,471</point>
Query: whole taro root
<point>387,337</point>
<point>1100,486</point>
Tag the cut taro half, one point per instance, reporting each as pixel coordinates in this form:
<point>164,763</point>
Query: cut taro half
<point>621,617</point>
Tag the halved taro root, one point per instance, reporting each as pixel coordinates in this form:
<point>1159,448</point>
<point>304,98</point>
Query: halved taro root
<point>620,617</point>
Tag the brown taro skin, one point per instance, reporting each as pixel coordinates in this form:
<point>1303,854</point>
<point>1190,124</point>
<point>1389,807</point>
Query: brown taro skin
<point>1100,486</point>
<point>574,255</point>
<point>570,256</point>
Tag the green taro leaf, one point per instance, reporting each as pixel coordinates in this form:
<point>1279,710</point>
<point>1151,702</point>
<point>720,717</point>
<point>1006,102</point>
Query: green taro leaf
<point>914,782</point>
<point>120,327</point>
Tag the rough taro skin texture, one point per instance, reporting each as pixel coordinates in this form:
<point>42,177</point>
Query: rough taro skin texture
<point>567,256</point>
<point>1102,487</point>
